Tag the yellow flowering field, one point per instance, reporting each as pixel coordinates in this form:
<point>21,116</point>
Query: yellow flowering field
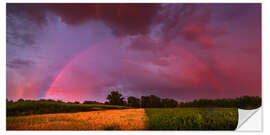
<point>126,119</point>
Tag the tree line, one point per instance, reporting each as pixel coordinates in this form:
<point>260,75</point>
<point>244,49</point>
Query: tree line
<point>245,102</point>
<point>152,101</point>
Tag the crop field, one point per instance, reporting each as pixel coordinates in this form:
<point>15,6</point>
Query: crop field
<point>128,119</point>
<point>45,107</point>
<point>192,118</point>
<point>131,119</point>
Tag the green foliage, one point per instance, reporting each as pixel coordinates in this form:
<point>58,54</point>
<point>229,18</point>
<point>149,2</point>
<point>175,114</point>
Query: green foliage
<point>76,102</point>
<point>244,102</point>
<point>192,118</point>
<point>91,102</point>
<point>20,100</point>
<point>133,102</point>
<point>29,107</point>
<point>151,101</point>
<point>115,98</point>
<point>169,103</point>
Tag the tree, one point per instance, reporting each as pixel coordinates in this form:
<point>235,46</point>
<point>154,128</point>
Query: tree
<point>91,102</point>
<point>151,101</point>
<point>167,102</point>
<point>76,102</point>
<point>21,100</point>
<point>244,102</point>
<point>9,101</point>
<point>133,102</point>
<point>60,101</point>
<point>115,98</point>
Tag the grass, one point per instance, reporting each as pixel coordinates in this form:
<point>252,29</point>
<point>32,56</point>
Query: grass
<point>45,107</point>
<point>126,119</point>
<point>192,118</point>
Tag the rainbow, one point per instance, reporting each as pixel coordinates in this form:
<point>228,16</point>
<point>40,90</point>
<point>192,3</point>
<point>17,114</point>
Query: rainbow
<point>213,78</point>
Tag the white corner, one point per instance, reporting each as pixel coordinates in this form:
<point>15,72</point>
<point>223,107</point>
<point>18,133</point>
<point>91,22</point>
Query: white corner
<point>249,120</point>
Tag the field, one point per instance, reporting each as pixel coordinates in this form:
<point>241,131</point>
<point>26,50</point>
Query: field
<point>128,119</point>
<point>192,119</point>
<point>46,107</point>
<point>131,119</point>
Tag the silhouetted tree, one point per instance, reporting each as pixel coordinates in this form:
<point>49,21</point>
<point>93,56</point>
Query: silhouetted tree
<point>50,100</point>
<point>151,101</point>
<point>133,102</point>
<point>115,98</point>
<point>9,101</point>
<point>167,102</point>
<point>91,102</point>
<point>20,100</point>
<point>76,102</point>
<point>248,102</point>
<point>244,102</point>
<point>59,101</point>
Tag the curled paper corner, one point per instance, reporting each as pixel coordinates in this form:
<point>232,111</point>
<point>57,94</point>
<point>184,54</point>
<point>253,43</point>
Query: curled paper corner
<point>249,120</point>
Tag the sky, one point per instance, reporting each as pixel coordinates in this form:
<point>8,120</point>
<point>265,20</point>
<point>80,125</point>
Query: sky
<point>78,52</point>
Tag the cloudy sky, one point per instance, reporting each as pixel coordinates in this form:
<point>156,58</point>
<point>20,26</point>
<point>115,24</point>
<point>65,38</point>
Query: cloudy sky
<point>181,51</point>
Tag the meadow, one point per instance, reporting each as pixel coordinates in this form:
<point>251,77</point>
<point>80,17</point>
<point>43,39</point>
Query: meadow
<point>192,118</point>
<point>147,113</point>
<point>131,119</point>
<point>50,107</point>
<point>126,119</point>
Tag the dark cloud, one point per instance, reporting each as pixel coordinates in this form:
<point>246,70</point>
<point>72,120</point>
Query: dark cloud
<point>173,17</point>
<point>202,34</point>
<point>161,50</point>
<point>20,29</point>
<point>19,63</point>
<point>235,11</point>
<point>21,33</point>
<point>122,18</point>
<point>190,21</point>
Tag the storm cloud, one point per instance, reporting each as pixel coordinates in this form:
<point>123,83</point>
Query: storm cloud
<point>183,51</point>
